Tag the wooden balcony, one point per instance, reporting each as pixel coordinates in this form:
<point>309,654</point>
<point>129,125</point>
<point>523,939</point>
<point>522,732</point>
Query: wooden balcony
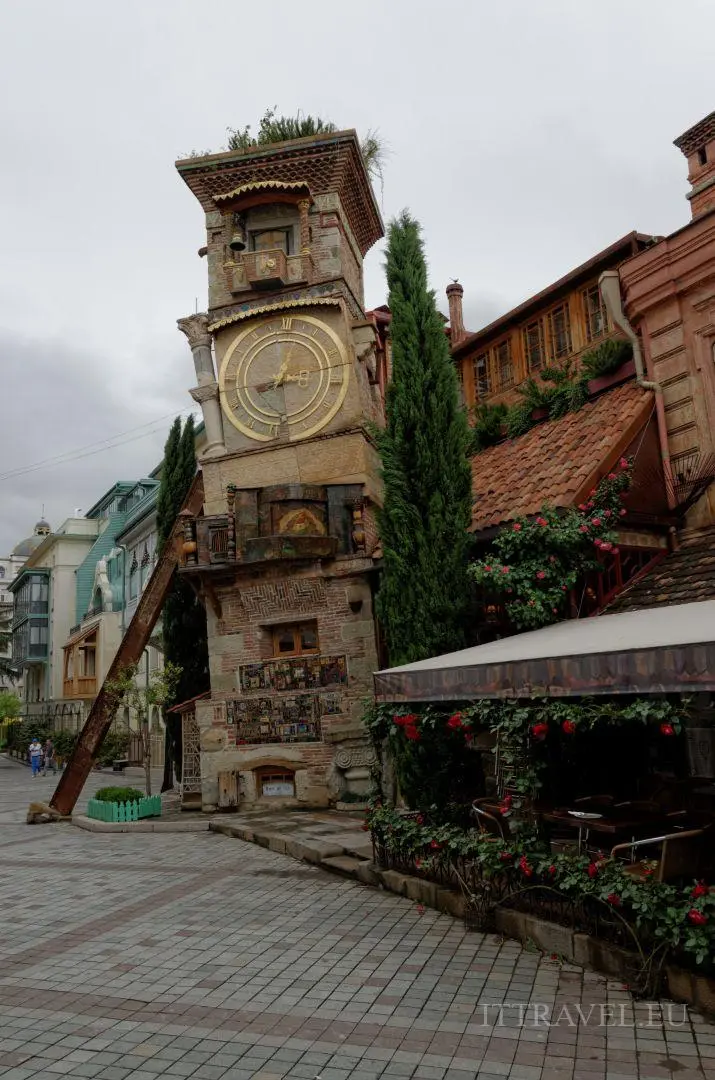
<point>216,545</point>
<point>259,270</point>
<point>83,686</point>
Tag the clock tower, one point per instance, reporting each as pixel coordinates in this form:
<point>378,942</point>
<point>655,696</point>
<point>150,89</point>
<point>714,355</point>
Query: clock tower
<point>290,373</point>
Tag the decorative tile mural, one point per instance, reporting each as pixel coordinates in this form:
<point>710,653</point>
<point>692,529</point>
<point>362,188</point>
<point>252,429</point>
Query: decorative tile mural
<point>296,673</point>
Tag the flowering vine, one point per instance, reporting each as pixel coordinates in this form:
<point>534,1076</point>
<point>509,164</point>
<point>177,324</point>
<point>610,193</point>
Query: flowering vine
<point>536,562</point>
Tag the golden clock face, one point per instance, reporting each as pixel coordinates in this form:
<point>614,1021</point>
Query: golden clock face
<point>287,376</point>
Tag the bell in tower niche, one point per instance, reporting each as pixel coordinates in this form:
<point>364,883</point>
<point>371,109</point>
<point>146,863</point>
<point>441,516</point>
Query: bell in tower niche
<point>238,234</point>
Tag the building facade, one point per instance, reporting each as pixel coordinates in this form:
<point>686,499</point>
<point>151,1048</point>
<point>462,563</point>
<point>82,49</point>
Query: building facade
<point>283,553</point>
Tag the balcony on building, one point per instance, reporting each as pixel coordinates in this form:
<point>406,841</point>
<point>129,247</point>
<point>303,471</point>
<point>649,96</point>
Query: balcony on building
<point>265,236</point>
<point>30,617</point>
<point>290,522</point>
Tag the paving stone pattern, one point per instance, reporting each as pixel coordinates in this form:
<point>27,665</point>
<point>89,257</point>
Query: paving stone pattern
<point>140,956</point>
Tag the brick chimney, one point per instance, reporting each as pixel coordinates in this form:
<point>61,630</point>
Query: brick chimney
<point>455,292</point>
<point>698,145</point>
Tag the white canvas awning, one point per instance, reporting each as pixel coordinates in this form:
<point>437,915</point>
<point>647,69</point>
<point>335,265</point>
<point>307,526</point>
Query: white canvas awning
<point>655,650</point>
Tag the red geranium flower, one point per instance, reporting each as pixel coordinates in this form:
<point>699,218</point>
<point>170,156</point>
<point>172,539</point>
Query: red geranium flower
<point>506,856</point>
<point>667,729</point>
<point>552,869</point>
<point>539,731</point>
<point>435,845</point>
<point>697,918</point>
<point>418,863</point>
<point>505,569</point>
<point>582,507</point>
<point>622,512</point>
<point>614,899</point>
<point>488,569</point>
<point>568,727</point>
<point>612,476</point>
<point>541,574</point>
<point>700,889</point>
<point>595,521</point>
<point>607,513</point>
<point>592,870</point>
<point>583,528</point>
<point>541,521</point>
<point>623,463</point>
<point>420,909</point>
<point>412,733</point>
<point>420,820</point>
<point>455,721</point>
<point>517,527</point>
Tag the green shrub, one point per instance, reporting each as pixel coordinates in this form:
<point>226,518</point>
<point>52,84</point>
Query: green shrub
<point>606,358</point>
<point>115,746</point>
<point>118,794</point>
<point>489,421</point>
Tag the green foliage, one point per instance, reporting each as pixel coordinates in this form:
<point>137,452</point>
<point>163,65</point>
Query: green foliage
<point>184,617</point>
<point>666,921</point>
<point>562,388</point>
<point>10,705</point>
<point>424,591</point>
<point>487,428</point>
<point>535,562</point>
<point>118,794</point>
<point>519,419</point>
<point>437,767</point>
<point>606,358</point>
<point>274,129</point>
<point>114,748</point>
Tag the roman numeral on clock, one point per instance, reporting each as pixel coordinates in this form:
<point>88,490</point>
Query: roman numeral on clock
<point>286,322</point>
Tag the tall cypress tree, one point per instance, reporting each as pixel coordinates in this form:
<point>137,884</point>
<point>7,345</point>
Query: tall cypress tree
<point>423,598</point>
<point>183,616</point>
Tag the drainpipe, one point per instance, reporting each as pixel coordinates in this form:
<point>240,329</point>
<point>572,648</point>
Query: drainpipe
<point>609,284</point>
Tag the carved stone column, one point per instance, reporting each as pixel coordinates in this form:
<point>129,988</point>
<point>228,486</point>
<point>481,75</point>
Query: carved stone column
<point>307,258</point>
<point>195,327</point>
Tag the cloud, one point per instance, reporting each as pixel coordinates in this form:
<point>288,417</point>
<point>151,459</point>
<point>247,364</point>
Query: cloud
<point>60,399</point>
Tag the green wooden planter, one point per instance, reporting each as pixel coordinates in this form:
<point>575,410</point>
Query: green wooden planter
<point>124,811</point>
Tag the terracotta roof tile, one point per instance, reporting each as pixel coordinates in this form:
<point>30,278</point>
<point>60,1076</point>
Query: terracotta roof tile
<point>555,461</point>
<point>683,577</point>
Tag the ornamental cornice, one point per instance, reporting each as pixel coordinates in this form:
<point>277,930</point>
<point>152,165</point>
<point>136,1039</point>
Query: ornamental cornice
<point>196,328</point>
<point>285,305</point>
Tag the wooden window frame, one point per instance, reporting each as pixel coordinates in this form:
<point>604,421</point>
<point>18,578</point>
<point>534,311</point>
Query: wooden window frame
<point>558,309</point>
<point>296,629</point>
<point>503,364</point>
<point>538,326</point>
<point>589,313</point>
<point>482,384</point>
<point>287,231</point>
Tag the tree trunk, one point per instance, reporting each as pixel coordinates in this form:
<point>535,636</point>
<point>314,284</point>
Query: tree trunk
<point>168,781</point>
<point>146,746</point>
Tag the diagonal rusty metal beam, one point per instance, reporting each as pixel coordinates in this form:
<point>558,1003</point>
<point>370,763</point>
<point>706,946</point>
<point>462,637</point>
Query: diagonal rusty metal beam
<point>129,653</point>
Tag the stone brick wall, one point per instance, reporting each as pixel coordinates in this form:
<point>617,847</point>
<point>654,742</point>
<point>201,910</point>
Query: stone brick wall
<point>337,596</point>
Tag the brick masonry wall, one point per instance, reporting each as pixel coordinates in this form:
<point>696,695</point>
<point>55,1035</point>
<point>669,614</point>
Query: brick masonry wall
<point>337,596</point>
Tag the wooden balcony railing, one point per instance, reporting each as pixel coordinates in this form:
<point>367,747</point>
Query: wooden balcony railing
<point>268,270</point>
<point>80,687</point>
<point>211,541</point>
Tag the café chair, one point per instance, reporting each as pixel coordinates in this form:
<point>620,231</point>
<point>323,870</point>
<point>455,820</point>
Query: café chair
<point>679,855</point>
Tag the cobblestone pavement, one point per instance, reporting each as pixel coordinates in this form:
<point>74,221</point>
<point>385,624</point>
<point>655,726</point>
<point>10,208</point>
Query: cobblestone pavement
<point>141,956</point>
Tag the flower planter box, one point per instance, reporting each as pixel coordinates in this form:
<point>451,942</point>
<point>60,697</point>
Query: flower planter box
<point>605,382</point>
<point>124,811</point>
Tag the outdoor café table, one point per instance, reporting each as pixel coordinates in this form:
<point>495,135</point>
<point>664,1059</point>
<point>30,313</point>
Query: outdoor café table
<point>613,822</point>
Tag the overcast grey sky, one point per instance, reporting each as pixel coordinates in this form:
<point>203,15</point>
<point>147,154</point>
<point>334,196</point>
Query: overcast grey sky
<point>525,135</point>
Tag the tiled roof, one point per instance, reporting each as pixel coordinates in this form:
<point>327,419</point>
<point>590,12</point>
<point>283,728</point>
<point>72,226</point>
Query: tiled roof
<point>557,462</point>
<point>684,576</point>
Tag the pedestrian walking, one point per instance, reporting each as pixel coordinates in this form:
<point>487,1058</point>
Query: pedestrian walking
<point>35,756</point>
<point>49,762</point>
